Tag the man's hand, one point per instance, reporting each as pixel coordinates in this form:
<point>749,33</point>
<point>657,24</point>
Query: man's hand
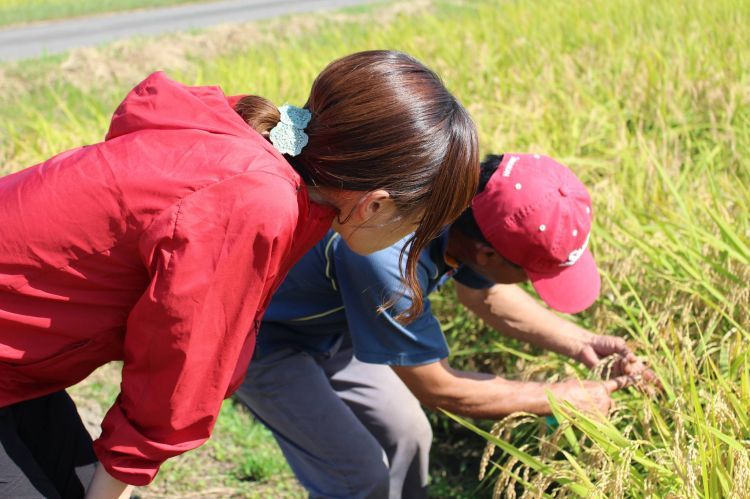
<point>595,349</point>
<point>482,395</point>
<point>592,397</point>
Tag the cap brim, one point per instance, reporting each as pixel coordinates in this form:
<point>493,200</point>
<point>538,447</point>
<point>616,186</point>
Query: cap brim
<point>572,290</point>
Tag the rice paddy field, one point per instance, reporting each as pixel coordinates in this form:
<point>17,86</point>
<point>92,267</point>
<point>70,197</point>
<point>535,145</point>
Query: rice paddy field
<point>648,101</point>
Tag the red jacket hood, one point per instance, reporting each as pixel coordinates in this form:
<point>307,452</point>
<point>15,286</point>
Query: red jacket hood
<point>158,103</point>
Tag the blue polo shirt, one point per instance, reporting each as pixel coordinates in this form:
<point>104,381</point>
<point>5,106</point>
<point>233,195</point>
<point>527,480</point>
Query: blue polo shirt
<point>333,292</point>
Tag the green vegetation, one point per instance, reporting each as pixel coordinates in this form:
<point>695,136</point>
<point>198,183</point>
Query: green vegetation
<point>647,100</point>
<point>240,460</point>
<point>27,11</point>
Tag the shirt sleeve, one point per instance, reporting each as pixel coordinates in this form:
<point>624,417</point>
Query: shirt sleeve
<point>366,282</point>
<point>469,278</point>
<point>212,260</point>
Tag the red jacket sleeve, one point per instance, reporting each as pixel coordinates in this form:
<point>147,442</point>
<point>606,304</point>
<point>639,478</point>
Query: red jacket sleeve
<point>213,258</point>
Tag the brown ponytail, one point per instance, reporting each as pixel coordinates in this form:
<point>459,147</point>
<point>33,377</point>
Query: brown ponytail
<point>259,113</point>
<point>382,120</point>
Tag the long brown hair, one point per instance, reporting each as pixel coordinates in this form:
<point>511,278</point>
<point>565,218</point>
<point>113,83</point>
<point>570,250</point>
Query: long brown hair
<point>382,120</point>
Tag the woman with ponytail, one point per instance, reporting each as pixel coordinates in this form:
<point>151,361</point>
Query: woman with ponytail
<point>161,247</point>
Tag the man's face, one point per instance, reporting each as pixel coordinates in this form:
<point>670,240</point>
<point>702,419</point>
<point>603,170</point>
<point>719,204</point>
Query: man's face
<point>494,267</point>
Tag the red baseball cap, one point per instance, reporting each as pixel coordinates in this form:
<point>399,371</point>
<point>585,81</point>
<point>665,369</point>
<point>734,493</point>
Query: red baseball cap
<point>537,214</point>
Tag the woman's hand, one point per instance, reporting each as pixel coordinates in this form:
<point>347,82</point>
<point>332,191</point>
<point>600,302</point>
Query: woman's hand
<point>105,486</point>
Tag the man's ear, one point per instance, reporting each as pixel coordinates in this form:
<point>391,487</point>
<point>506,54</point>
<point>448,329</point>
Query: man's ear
<point>483,253</point>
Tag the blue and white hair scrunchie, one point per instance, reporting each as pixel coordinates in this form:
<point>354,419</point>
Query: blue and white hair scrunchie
<point>288,136</point>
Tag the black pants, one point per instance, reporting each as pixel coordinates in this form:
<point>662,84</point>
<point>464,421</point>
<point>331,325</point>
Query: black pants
<point>45,451</point>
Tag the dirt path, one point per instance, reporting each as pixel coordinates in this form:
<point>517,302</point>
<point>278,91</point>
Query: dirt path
<point>59,36</point>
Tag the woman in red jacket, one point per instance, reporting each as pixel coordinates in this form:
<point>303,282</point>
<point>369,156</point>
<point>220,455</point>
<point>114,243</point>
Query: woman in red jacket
<point>162,245</point>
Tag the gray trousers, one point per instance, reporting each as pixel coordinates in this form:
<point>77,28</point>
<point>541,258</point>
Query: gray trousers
<point>348,429</point>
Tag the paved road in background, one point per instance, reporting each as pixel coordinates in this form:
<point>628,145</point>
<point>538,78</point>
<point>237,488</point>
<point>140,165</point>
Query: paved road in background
<point>58,36</point>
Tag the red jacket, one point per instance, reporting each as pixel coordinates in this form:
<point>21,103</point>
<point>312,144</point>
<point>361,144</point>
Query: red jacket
<point>160,246</point>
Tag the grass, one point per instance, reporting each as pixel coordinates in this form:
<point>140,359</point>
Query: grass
<point>240,460</point>
<point>13,12</point>
<point>647,100</point>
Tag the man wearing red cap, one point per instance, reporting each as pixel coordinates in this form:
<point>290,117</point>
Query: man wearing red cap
<point>537,214</point>
<point>340,382</point>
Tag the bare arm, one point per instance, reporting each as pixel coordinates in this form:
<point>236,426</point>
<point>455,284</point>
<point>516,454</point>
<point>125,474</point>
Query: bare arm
<point>510,310</point>
<point>105,486</point>
<point>482,395</point>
